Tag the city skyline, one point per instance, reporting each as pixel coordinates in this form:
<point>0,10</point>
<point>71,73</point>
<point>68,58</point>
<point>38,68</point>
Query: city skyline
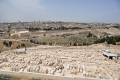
<point>60,10</point>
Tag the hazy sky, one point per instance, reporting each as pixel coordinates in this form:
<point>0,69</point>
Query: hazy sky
<point>60,10</point>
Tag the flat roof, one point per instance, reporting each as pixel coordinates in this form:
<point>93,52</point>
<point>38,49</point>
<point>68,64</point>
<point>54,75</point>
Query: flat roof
<point>21,50</point>
<point>108,53</point>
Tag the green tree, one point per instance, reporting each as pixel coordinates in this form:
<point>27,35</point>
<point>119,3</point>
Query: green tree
<point>39,43</point>
<point>114,42</point>
<point>50,43</point>
<point>31,41</point>
<point>22,45</point>
<point>43,43</point>
<point>10,43</point>
<point>44,34</point>
<point>89,35</point>
<point>5,43</point>
<point>18,46</point>
<point>75,44</point>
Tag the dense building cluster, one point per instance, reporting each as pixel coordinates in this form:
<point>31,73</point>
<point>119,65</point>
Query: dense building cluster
<point>55,25</point>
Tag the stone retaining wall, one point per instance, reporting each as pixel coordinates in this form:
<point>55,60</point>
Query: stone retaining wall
<point>43,76</point>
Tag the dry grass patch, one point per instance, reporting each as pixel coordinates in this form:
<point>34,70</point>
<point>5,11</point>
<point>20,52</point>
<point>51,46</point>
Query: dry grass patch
<point>14,45</point>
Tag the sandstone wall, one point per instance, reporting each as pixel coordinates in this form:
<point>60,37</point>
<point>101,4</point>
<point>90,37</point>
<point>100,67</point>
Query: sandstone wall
<point>43,76</point>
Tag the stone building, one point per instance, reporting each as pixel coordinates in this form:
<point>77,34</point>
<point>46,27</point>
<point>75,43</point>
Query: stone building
<point>18,32</point>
